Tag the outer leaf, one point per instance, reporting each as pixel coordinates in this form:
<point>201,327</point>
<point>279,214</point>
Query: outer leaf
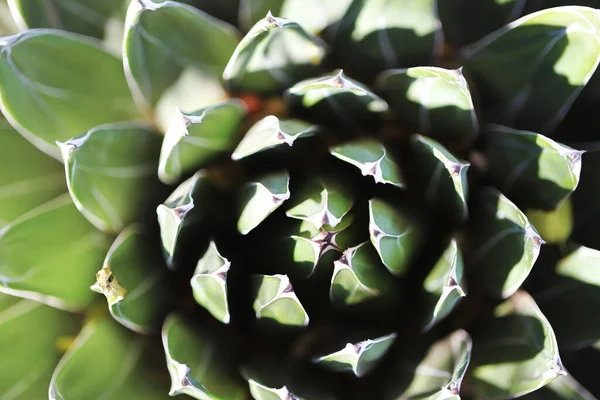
<point>564,387</point>
<point>465,21</point>
<point>122,366</point>
<point>272,132</point>
<point>87,17</point>
<point>444,286</point>
<point>379,34</point>
<point>532,87</point>
<point>438,371</point>
<point>336,97</point>
<point>555,226</point>
<point>199,137</point>
<point>51,254</point>
<point>371,157</point>
<point>573,298</point>
<point>515,351</point>
<point>197,363</point>
<point>394,235</point>
<point>272,56</point>
<point>7,23</point>
<point>503,245</point>
<point>443,178</point>
<point>435,101</point>
<point>185,207</point>
<point>321,202</point>
<point>111,173</point>
<point>314,15</point>
<point>276,303</point>
<point>48,95</point>
<point>358,277</point>
<point>168,68</point>
<point>359,358</point>
<point>28,178</point>
<point>209,283</point>
<point>260,198</point>
<point>132,279</point>
<point>532,170</point>
<point>28,357</point>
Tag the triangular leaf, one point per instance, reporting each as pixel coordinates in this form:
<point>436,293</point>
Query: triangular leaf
<point>209,283</point>
<point>276,303</point>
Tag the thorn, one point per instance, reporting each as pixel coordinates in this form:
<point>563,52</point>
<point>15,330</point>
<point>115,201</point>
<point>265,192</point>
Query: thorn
<point>338,80</point>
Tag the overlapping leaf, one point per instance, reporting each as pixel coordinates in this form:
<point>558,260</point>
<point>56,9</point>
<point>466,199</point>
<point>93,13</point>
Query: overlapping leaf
<point>29,357</point>
<point>503,245</point>
<point>565,387</point>
<point>49,95</point>
<point>438,371</point>
<point>272,56</point>
<point>376,34</point>
<point>271,132</point>
<point>531,169</point>
<point>275,302</point>
<point>122,365</point>
<point>197,363</point>
<point>195,138</point>
<point>260,198</point>
<point>51,254</point>
<point>168,68</point>
<point>527,70</point>
<point>394,234</point>
<point>111,173</point>
<point>133,280</point>
<point>515,351</point>
<point>578,280</point>
<point>372,158</point>
<point>209,283</point>
<point>435,101</point>
<point>32,183</point>
<point>7,23</point>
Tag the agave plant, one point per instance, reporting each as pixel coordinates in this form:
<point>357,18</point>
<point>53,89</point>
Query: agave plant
<point>294,199</point>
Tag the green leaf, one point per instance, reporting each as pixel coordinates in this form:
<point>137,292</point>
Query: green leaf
<point>111,173</point>
<point>314,15</point>
<point>122,366</point>
<point>336,97</point>
<point>565,387</point>
<point>132,279</point>
<point>370,156</point>
<point>48,94</point>
<point>262,392</point>
<point>393,234</point>
<point>435,101</point>
<point>260,198</point>
<point>209,283</point>
<point>28,178</point>
<point>379,34</point>
<point>185,207</point>
<point>442,177</point>
<point>197,363</point>
<point>444,286</point>
<point>168,68</point>
<point>87,17</point>
<point>322,201</point>
<point>503,245</point>
<point>358,277</point>
<point>531,169</point>
<point>533,86</point>
<point>572,298</point>
<point>438,370</point>
<point>51,254</point>
<point>555,226</point>
<point>194,139</point>
<point>465,21</point>
<point>271,132</point>
<point>7,23</point>
<point>359,358</point>
<point>515,351</point>
<point>272,56</point>
<point>28,356</point>
<point>275,302</point>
